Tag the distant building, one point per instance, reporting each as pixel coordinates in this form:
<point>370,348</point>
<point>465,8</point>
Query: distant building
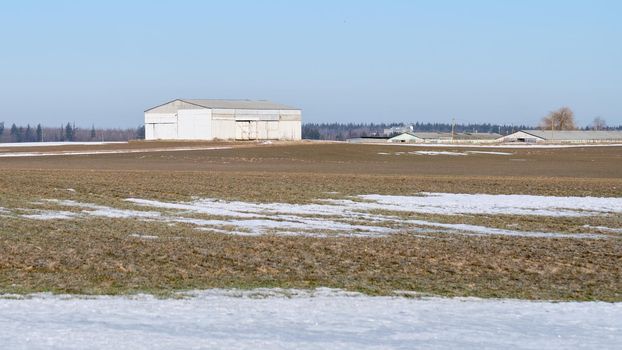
<point>190,119</point>
<point>399,129</point>
<point>444,137</point>
<point>557,136</point>
<point>369,139</point>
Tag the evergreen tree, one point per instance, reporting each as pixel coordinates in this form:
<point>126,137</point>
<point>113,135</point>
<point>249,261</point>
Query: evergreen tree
<point>69,132</point>
<point>140,132</point>
<point>14,132</point>
<point>39,133</point>
<point>1,128</point>
<point>61,135</point>
<point>19,136</point>
<point>28,135</point>
<point>93,133</point>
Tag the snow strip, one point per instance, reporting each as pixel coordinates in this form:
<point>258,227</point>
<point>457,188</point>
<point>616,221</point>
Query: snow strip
<point>438,153</point>
<point>50,215</point>
<point>141,236</point>
<point>350,217</point>
<point>604,228</point>
<point>495,153</point>
<point>54,144</point>
<point>483,230</point>
<point>292,319</point>
<point>514,204</point>
<point>496,145</point>
<point>95,152</point>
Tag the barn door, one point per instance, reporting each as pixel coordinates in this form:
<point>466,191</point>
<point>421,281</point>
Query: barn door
<point>246,130</point>
<point>252,130</point>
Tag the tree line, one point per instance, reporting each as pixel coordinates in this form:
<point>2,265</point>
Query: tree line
<point>67,133</point>
<point>343,131</point>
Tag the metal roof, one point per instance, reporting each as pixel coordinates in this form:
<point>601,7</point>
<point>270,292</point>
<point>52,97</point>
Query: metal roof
<point>576,135</point>
<point>456,136</point>
<point>477,136</point>
<point>238,104</point>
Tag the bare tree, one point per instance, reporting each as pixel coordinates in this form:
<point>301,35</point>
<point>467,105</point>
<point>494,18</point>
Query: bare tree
<point>561,119</point>
<point>599,123</point>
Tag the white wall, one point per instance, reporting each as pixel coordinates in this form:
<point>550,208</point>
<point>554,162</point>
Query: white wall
<point>290,130</point>
<point>520,135</point>
<point>161,131</point>
<point>223,129</point>
<point>194,124</point>
<point>223,124</point>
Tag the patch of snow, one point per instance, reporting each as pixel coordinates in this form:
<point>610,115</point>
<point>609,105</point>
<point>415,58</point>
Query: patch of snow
<point>54,144</point>
<point>487,152</point>
<point>292,319</point>
<point>514,204</point>
<point>51,215</point>
<point>483,230</point>
<point>70,190</point>
<point>503,145</point>
<point>96,152</point>
<point>438,153</point>
<point>604,228</point>
<point>141,236</point>
<point>104,211</point>
<point>384,153</point>
<point>349,217</point>
<point>289,216</point>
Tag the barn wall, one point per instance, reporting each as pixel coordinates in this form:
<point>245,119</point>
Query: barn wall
<point>160,118</point>
<point>180,120</point>
<point>519,135</point>
<point>406,138</point>
<point>290,130</point>
<point>223,128</point>
<point>161,131</point>
<point>194,124</point>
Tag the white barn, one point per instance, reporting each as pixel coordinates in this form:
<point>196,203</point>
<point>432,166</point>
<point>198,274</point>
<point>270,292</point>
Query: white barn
<point>563,136</point>
<point>194,119</point>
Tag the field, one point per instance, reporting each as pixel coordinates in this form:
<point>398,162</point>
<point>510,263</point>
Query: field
<point>527,223</point>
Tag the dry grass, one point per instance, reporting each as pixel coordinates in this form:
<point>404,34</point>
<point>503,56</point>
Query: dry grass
<point>98,256</point>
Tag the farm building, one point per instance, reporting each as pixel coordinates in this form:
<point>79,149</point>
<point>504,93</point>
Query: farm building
<point>440,137</point>
<point>557,136</point>
<point>192,119</point>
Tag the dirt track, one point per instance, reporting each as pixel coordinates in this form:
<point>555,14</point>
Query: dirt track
<point>334,158</point>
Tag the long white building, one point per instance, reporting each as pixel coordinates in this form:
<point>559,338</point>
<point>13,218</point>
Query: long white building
<point>203,119</point>
<point>563,136</point>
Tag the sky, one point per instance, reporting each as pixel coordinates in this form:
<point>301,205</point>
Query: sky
<point>105,62</point>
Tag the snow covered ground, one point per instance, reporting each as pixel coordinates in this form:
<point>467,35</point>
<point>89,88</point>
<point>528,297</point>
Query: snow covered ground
<point>445,153</point>
<point>363,215</point>
<point>293,319</point>
<point>502,145</point>
<point>95,152</point>
<point>50,144</point>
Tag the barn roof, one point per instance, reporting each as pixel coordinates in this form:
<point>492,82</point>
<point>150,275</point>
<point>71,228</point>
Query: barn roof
<point>237,104</point>
<point>576,135</point>
<point>447,135</point>
<point>222,104</point>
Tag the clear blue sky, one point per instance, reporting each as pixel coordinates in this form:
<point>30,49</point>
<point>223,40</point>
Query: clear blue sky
<point>345,61</point>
